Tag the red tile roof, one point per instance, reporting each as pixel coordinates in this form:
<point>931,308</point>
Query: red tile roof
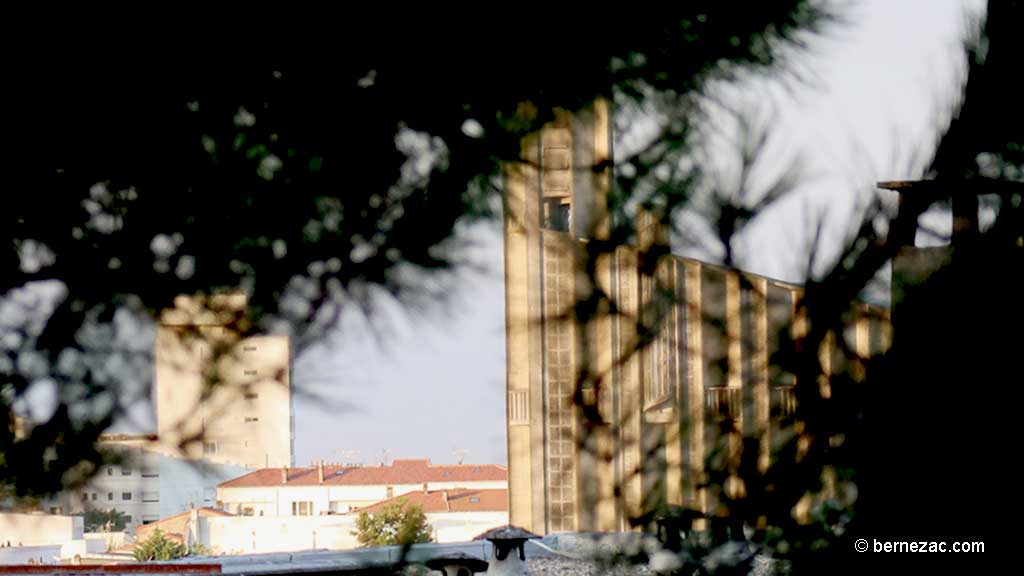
<point>458,500</point>
<point>399,472</point>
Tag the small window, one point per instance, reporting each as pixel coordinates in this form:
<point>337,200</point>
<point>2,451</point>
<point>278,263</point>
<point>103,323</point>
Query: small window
<point>556,214</point>
<point>304,508</point>
<point>110,471</point>
<point>251,373</point>
<point>56,510</point>
<point>94,496</point>
<point>85,496</point>
<point>128,519</point>
<point>126,471</point>
<point>209,447</point>
<point>251,396</point>
<point>110,496</point>
<point>474,499</point>
<point>391,492</point>
<point>126,495</point>
<point>249,348</point>
<point>251,419</point>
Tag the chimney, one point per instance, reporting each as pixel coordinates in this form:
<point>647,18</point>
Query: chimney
<point>284,475</point>
<point>425,488</point>
<point>320,471</point>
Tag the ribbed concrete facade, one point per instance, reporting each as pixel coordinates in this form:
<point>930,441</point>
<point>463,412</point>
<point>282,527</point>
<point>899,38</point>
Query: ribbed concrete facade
<point>708,333</point>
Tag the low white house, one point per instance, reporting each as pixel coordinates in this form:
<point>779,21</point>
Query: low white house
<point>43,538</point>
<point>455,515</point>
<point>334,489</point>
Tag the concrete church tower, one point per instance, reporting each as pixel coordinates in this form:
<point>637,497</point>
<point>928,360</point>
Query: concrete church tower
<point>708,362</point>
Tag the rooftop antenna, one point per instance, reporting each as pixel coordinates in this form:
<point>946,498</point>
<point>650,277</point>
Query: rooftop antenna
<point>384,456</point>
<point>460,454</point>
<point>350,457</point>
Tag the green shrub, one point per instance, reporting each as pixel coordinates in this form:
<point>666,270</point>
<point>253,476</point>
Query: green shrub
<point>158,547</point>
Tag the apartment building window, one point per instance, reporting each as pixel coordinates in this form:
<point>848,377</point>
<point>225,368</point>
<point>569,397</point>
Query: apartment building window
<point>94,496</point>
<point>556,214</point>
<point>251,395</point>
<point>209,447</point>
<point>85,496</point>
<point>126,495</point>
<point>110,496</point>
<point>150,496</point>
<point>304,508</point>
<point>150,473</point>
<point>251,419</point>
<point>391,492</point>
<point>126,471</point>
<point>110,471</point>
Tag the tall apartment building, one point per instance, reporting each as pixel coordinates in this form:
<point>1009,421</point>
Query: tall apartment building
<point>203,435</point>
<point>707,361</point>
<point>246,418</point>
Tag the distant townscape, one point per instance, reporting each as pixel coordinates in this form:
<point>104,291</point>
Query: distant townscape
<point>217,474</point>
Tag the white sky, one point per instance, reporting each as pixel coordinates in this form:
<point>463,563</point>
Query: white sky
<point>437,383</point>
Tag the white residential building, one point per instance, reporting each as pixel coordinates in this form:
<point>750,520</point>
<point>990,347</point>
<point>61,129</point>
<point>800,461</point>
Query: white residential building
<point>334,489</point>
<point>147,484</point>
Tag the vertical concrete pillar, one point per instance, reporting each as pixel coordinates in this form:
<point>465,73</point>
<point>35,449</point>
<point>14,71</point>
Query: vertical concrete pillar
<point>695,392</point>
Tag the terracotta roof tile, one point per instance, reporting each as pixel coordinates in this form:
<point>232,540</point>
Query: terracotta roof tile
<point>399,472</point>
<point>458,500</point>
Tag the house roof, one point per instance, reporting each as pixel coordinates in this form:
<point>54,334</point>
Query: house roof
<point>399,472</point>
<point>457,500</point>
<point>203,511</point>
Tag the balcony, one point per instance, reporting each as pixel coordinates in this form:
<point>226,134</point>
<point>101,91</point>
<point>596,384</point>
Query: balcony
<point>724,402</point>
<point>783,401</point>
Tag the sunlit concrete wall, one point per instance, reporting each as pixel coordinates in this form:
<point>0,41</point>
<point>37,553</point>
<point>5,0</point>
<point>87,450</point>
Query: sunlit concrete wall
<point>254,534</point>
<point>39,529</point>
<point>464,526</point>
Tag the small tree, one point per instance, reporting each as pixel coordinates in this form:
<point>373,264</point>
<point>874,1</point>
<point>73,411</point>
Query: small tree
<point>158,547</point>
<point>104,520</point>
<point>395,524</point>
